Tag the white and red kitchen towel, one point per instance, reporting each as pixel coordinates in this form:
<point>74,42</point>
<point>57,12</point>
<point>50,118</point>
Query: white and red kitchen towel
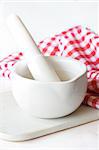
<point>77,42</point>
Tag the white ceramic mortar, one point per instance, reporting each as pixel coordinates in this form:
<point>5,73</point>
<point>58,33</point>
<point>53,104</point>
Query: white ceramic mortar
<point>51,99</point>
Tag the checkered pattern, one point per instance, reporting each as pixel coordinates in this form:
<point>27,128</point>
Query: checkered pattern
<point>77,42</point>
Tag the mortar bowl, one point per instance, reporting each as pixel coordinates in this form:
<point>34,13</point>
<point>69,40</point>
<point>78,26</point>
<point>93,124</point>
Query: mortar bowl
<point>50,99</point>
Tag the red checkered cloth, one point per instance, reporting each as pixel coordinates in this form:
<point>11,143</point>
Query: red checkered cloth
<point>77,42</point>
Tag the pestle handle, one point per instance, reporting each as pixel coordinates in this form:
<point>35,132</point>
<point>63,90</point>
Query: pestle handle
<point>37,64</point>
<point>21,34</point>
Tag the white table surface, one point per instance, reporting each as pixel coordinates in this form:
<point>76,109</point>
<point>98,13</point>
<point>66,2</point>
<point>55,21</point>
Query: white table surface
<point>78,138</point>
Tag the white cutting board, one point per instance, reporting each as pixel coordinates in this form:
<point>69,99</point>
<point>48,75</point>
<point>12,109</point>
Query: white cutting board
<point>16,125</point>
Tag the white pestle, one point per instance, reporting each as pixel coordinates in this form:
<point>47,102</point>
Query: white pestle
<point>38,66</point>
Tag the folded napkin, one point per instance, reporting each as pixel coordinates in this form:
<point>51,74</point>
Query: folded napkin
<point>77,42</point>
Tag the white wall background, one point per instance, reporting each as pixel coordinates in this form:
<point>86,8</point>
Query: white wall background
<point>44,19</point>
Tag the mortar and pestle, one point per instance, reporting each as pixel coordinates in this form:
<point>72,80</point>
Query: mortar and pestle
<point>45,87</point>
